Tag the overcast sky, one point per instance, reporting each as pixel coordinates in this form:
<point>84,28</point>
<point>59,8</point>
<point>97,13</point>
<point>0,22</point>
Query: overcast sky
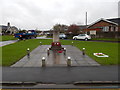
<point>43,14</point>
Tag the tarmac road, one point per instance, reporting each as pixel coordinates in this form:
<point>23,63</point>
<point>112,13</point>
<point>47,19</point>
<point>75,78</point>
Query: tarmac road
<point>96,40</point>
<point>3,43</point>
<point>60,75</point>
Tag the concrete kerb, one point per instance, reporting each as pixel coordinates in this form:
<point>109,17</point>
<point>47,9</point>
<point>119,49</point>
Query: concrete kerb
<point>74,83</point>
<point>96,82</point>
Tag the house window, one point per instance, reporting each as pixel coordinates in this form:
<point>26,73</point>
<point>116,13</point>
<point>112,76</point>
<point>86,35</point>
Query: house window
<point>116,29</point>
<point>92,32</point>
<point>112,29</point>
<point>106,29</point>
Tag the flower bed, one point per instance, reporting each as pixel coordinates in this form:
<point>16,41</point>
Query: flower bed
<point>100,55</point>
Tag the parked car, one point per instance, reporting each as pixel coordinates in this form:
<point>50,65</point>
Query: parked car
<point>82,36</point>
<point>62,36</point>
<point>28,35</point>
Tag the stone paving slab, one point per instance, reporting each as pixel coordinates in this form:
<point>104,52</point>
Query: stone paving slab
<point>55,59</point>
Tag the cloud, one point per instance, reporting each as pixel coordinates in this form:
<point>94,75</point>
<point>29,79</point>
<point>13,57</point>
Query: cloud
<point>43,14</point>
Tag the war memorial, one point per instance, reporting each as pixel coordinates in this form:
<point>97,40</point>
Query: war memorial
<point>58,66</point>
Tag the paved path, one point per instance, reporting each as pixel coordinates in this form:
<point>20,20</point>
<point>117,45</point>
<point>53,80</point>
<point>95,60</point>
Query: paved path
<point>3,43</point>
<point>55,59</point>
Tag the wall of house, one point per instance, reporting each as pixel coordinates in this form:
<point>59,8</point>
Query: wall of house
<point>108,30</point>
<point>107,35</point>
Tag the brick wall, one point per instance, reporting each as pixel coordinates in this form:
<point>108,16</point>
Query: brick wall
<point>111,33</point>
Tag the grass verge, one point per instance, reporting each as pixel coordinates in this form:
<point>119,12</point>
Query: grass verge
<point>14,52</point>
<point>110,49</point>
<point>7,37</point>
<point>106,39</point>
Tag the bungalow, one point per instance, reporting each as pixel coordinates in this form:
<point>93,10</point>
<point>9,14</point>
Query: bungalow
<point>8,30</point>
<point>105,28</point>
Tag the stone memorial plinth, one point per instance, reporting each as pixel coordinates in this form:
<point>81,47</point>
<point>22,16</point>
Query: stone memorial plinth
<point>56,45</point>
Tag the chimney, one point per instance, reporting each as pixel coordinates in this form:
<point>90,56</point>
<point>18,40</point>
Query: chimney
<point>8,24</point>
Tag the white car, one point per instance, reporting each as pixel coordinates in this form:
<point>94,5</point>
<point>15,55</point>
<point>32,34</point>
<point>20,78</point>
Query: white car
<point>82,36</point>
<point>62,36</point>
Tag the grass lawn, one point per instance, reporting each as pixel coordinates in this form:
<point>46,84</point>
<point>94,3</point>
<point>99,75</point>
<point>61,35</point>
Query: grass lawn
<point>106,39</point>
<point>7,37</point>
<point>110,49</point>
<point>13,52</point>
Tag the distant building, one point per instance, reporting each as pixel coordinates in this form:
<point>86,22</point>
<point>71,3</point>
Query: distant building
<point>76,29</point>
<point>82,28</point>
<point>105,28</point>
<point>8,30</point>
